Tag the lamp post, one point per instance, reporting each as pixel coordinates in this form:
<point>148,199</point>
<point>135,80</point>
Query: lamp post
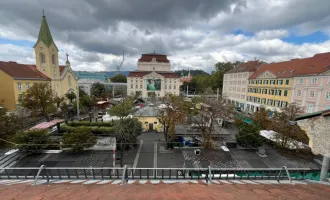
<point>78,104</point>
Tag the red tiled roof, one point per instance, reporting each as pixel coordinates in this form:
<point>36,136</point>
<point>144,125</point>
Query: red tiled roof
<point>143,73</point>
<point>249,66</point>
<point>21,71</point>
<point>284,69</point>
<point>178,191</point>
<point>315,65</point>
<point>62,67</point>
<point>159,57</point>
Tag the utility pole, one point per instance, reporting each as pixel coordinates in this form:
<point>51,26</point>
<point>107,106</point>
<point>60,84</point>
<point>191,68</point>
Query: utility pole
<point>78,103</point>
<point>324,170</point>
<point>113,91</point>
<point>217,94</point>
<point>187,90</point>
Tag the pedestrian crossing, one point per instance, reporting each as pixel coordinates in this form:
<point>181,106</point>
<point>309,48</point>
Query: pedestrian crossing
<point>118,182</point>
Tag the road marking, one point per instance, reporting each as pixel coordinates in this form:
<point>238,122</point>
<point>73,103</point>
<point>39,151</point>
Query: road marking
<point>224,181</point>
<point>62,181</point>
<point>142,181</point>
<point>137,156</point>
<point>154,181</point>
<point>78,181</point>
<point>104,182</point>
<point>250,182</point>
<point>116,182</point>
<point>90,182</point>
<point>236,181</point>
<point>155,158</point>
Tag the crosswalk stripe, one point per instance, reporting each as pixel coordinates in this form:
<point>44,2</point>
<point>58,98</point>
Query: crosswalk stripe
<point>142,181</point>
<point>248,181</point>
<point>104,182</point>
<point>131,181</point>
<point>116,182</point>
<point>193,181</point>
<point>61,181</point>
<point>154,181</point>
<point>215,181</point>
<point>236,181</point>
<point>226,182</point>
<point>78,181</point>
<point>90,182</point>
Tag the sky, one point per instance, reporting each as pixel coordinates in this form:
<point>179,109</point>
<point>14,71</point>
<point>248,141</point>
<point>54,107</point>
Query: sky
<point>194,34</point>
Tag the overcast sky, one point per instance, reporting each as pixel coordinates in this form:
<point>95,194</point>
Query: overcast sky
<point>194,34</point>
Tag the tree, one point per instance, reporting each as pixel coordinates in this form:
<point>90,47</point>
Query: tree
<point>288,132</point>
<point>71,96</point>
<point>261,118</point>
<point>119,78</point>
<point>35,139</point>
<point>58,101</point>
<point>9,125</point>
<point>221,68</point>
<point>208,114</point>
<point>123,109</point>
<point>98,90</point>
<point>248,135</point>
<point>79,139</point>
<point>127,132</point>
<point>173,112</point>
<point>40,100</point>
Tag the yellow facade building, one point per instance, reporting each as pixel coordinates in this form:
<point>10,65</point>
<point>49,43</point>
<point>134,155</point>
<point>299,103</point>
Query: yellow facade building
<point>16,78</point>
<point>270,86</point>
<point>148,116</point>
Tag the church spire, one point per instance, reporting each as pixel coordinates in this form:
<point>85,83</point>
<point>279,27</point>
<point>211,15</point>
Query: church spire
<point>44,33</point>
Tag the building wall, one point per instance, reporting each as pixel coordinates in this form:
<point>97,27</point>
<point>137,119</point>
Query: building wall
<point>168,85</point>
<point>157,126</point>
<point>312,96</point>
<point>235,87</point>
<point>7,94</point>
<point>65,83</point>
<point>153,66</point>
<point>262,93</point>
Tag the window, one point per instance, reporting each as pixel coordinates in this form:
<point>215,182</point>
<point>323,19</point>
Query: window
<point>42,58</point>
<point>174,87</point>
<point>287,81</point>
<point>263,101</point>
<point>258,100</point>
<point>69,81</point>
<point>327,95</point>
<point>280,82</point>
<point>155,122</point>
<point>310,108</point>
<point>264,91</point>
<point>265,82</point>
<point>312,94</point>
<point>53,59</point>
<point>169,87</point>
<point>270,102</point>
<point>284,104</point>
<point>328,80</point>
<point>271,91</point>
<point>131,85</point>
<point>19,86</point>
<point>301,81</point>
<point>298,93</point>
<point>285,93</point>
<point>272,82</point>
<point>136,86</point>
<point>27,85</point>
<point>314,80</point>
<point>277,103</point>
<point>140,86</point>
<point>278,92</point>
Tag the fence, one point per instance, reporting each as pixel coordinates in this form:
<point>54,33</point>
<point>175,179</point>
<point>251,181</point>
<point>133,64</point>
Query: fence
<point>48,173</point>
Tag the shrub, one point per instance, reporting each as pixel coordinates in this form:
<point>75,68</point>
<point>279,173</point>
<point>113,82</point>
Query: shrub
<point>94,130</point>
<point>87,123</point>
<point>79,139</point>
<point>34,139</point>
<point>248,135</point>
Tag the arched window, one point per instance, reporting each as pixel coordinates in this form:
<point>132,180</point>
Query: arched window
<point>42,58</point>
<point>53,59</point>
<point>69,81</point>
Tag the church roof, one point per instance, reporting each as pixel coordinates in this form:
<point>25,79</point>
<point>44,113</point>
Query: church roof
<point>149,56</point>
<point>22,71</point>
<point>44,33</point>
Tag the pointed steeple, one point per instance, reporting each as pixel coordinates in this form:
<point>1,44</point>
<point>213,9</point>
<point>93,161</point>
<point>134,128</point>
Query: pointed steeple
<point>44,34</point>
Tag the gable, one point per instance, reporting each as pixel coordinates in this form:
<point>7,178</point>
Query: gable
<point>153,75</point>
<point>266,74</point>
<point>69,72</point>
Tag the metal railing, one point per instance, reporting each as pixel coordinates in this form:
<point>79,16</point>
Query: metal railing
<point>127,173</point>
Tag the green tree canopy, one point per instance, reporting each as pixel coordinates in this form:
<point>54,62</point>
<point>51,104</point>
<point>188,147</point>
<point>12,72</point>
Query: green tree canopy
<point>98,90</point>
<point>34,139</point>
<point>119,78</point>
<point>123,109</point>
<point>40,100</point>
<point>79,139</point>
<point>9,125</point>
<point>248,135</point>
<point>71,96</point>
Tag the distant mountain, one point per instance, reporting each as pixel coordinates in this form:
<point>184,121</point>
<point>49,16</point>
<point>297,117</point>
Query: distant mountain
<point>194,72</point>
<point>110,74</point>
<point>98,75</point>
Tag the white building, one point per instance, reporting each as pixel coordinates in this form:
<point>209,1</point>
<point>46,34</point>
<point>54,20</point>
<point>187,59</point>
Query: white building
<point>235,83</point>
<point>153,77</point>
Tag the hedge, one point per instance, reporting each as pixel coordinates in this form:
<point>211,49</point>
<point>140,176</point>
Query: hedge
<point>87,123</point>
<point>94,130</point>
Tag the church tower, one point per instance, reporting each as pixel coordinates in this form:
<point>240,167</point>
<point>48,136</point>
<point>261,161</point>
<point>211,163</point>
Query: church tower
<point>46,54</point>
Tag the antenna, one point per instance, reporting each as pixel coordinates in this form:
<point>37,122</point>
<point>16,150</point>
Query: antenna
<point>119,66</point>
